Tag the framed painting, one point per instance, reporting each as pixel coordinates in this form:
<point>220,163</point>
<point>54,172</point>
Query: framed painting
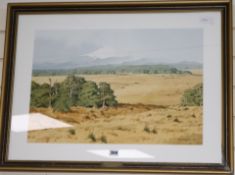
<point>132,87</point>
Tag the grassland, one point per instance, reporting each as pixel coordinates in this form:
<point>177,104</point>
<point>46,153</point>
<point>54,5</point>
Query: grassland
<point>157,89</point>
<point>148,112</point>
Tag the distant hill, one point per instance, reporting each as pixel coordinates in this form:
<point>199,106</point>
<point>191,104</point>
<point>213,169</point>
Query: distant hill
<point>185,65</point>
<point>87,61</point>
<point>82,61</point>
<point>179,68</point>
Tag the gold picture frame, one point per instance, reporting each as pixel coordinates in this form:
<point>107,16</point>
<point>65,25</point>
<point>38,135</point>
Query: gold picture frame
<point>15,10</point>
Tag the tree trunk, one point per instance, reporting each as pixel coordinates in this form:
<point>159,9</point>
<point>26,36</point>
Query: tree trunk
<point>50,95</point>
<point>103,105</point>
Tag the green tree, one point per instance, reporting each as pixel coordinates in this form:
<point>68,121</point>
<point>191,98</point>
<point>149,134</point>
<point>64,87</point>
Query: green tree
<point>89,95</point>
<point>173,70</point>
<point>72,85</point>
<point>61,100</point>
<point>145,71</point>
<point>106,95</point>
<point>55,89</point>
<point>61,104</point>
<point>72,91</point>
<point>155,72</point>
<point>40,95</point>
<point>50,93</point>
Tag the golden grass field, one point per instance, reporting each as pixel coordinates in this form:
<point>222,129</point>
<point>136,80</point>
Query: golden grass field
<point>163,89</point>
<point>148,113</point>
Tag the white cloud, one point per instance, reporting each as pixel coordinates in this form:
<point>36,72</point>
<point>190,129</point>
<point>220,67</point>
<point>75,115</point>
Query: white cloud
<point>106,52</point>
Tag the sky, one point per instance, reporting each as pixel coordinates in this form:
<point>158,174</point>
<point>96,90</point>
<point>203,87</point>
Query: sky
<point>160,45</point>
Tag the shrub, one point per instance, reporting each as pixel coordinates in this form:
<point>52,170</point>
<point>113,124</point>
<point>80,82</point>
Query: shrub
<point>193,97</point>
<point>92,137</point>
<point>147,129</point>
<point>103,139</point>
<point>169,116</point>
<point>72,131</point>
<point>154,131</point>
<point>177,120</point>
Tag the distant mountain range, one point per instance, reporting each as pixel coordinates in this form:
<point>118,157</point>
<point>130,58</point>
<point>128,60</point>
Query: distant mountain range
<point>86,61</point>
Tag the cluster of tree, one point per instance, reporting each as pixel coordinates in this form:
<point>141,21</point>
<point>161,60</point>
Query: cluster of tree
<point>193,96</point>
<point>115,69</point>
<point>73,91</point>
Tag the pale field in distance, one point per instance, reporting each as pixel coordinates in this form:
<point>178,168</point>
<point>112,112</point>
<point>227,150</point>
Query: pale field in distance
<point>149,113</point>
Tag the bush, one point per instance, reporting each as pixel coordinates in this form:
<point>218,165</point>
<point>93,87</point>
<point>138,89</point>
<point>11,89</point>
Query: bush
<point>61,104</point>
<point>193,97</point>
<point>107,97</point>
<point>72,91</point>
<point>154,131</point>
<point>72,131</point>
<point>147,129</point>
<point>89,95</point>
<point>103,139</point>
<point>39,95</point>
<point>92,137</point>
<point>71,86</point>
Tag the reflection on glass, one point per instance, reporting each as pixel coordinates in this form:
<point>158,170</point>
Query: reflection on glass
<point>35,121</point>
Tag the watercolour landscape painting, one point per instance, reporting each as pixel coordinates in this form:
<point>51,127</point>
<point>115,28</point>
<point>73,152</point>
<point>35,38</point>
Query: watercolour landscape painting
<point>119,86</point>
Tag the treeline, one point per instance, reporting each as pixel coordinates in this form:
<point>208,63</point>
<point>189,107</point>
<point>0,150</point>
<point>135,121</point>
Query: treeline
<point>193,96</point>
<point>73,91</point>
<point>114,69</point>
